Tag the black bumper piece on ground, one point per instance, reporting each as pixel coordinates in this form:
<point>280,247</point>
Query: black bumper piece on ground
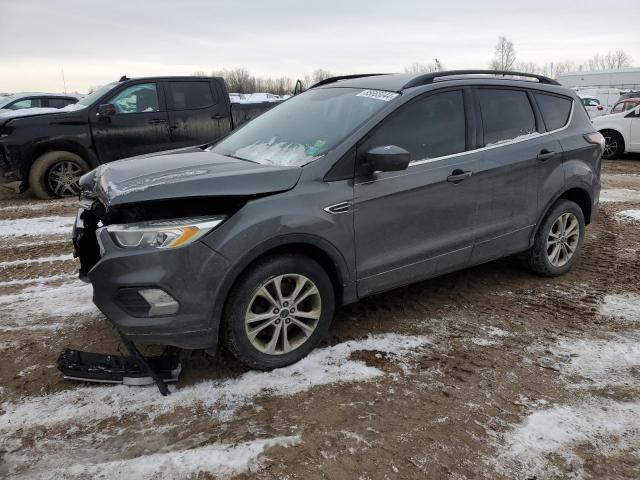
<point>133,370</point>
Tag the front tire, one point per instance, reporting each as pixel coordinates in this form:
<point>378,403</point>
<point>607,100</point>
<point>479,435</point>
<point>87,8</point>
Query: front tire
<point>278,311</point>
<point>55,174</point>
<point>614,144</point>
<point>558,241</point>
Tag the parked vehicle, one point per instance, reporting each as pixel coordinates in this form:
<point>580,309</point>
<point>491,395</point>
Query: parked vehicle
<point>49,150</point>
<point>621,130</point>
<point>359,185</point>
<point>606,99</point>
<point>625,105</point>
<point>19,101</point>
<point>629,94</point>
<point>592,106</point>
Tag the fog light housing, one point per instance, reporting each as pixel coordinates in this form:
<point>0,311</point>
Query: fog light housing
<point>160,302</point>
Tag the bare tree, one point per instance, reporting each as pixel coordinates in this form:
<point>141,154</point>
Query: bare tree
<point>610,60</point>
<point>199,73</point>
<point>418,67</point>
<point>504,55</point>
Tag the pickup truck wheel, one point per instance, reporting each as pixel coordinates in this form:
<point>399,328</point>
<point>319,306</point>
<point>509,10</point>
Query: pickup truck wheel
<point>558,241</point>
<point>278,312</point>
<point>614,144</point>
<point>56,174</point>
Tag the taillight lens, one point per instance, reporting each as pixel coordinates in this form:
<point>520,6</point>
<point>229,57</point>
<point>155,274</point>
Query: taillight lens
<point>596,138</point>
<point>600,108</point>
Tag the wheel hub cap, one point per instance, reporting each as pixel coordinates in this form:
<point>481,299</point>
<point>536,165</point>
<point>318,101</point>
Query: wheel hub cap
<point>63,177</point>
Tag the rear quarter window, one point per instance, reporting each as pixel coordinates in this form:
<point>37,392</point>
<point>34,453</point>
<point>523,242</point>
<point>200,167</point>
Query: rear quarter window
<point>555,110</point>
<point>506,114</point>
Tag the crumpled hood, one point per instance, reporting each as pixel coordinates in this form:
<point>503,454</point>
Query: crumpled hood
<point>188,173</point>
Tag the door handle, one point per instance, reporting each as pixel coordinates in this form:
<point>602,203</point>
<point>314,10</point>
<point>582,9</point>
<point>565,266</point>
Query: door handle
<point>217,116</point>
<point>156,121</point>
<point>545,155</point>
<point>173,127</point>
<point>458,175</point>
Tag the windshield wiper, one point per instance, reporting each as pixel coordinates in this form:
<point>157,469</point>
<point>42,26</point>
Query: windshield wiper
<point>240,158</point>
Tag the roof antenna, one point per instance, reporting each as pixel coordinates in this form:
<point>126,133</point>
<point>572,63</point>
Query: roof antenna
<point>123,78</point>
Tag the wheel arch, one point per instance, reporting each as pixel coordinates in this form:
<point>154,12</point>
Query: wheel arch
<point>316,248</point>
<point>615,130</point>
<point>577,194</point>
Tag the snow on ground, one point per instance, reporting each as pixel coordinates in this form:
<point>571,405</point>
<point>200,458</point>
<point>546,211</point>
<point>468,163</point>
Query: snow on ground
<point>629,215</point>
<point>219,398</point>
<point>29,261</point>
<point>598,424</point>
<point>219,460</point>
<point>622,305</point>
<point>607,426</point>
<point>43,205</point>
<point>619,195</point>
<point>27,308</point>
<point>55,225</point>
<point>603,362</point>
<point>38,280</point>
<point>65,441</point>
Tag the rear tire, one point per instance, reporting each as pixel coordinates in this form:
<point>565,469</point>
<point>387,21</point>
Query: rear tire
<point>558,241</point>
<point>55,174</point>
<point>614,144</point>
<point>289,301</point>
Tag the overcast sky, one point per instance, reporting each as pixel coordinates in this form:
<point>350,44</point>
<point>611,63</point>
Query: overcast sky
<point>97,42</point>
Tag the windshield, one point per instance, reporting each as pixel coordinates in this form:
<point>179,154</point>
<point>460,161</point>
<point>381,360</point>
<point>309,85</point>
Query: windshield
<point>92,97</point>
<point>305,127</point>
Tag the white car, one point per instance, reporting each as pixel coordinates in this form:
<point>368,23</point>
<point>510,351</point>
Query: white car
<point>598,101</point>
<point>19,101</point>
<point>621,131</point>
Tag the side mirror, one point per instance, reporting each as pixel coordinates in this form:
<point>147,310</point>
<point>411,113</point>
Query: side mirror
<point>634,113</point>
<point>389,158</point>
<point>106,110</point>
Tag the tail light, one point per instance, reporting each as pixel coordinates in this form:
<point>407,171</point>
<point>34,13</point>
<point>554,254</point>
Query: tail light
<point>596,138</point>
<point>600,108</point>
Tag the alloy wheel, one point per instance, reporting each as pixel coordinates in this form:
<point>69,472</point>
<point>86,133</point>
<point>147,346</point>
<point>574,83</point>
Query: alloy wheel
<point>63,178</point>
<point>283,313</point>
<point>563,239</point>
<point>610,146</point>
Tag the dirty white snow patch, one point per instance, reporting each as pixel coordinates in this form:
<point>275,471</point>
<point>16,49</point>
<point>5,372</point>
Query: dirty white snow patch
<point>607,426</point>
<point>219,460</point>
<point>28,307</point>
<point>36,226</point>
<point>217,398</point>
<point>629,215</point>
<point>622,305</point>
<point>608,195</point>
<point>30,261</point>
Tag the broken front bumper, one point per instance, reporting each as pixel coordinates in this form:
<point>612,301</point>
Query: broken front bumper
<point>190,275</point>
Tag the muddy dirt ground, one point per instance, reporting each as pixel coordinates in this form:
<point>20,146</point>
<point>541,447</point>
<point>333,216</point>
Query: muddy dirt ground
<point>490,372</point>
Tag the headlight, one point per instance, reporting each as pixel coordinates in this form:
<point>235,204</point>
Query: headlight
<point>163,233</point>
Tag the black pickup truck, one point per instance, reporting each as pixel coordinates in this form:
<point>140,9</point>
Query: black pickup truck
<point>48,150</point>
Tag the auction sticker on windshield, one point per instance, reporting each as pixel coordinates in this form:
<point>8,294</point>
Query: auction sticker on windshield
<point>378,95</point>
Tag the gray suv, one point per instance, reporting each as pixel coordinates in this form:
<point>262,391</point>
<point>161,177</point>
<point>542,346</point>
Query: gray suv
<point>359,185</point>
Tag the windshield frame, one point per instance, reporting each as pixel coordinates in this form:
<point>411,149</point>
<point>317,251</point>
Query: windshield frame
<point>98,94</point>
<point>386,107</point>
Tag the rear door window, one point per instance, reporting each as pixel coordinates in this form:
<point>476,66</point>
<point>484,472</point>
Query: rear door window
<point>506,115</point>
<point>60,102</point>
<point>430,127</point>
<point>190,95</point>
<point>619,107</point>
<point>25,103</point>
<point>555,110</point>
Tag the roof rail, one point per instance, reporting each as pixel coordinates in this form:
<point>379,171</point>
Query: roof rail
<point>428,78</point>
<point>344,77</point>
